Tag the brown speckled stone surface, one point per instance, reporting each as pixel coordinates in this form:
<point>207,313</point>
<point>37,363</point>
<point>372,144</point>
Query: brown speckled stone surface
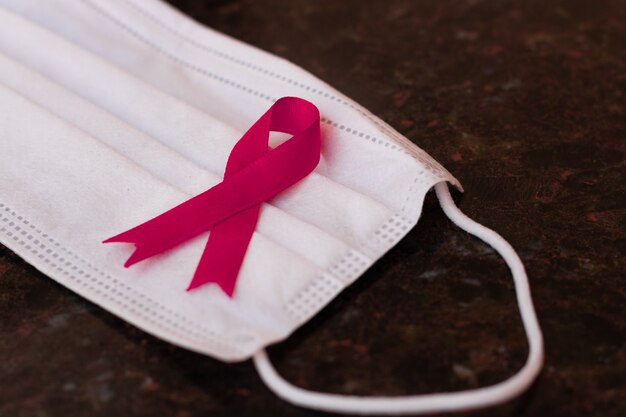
<point>525,103</point>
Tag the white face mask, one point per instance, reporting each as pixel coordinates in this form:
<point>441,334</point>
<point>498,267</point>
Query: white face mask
<point>113,111</point>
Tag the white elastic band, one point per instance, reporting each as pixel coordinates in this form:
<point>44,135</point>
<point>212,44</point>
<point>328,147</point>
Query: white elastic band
<point>439,402</point>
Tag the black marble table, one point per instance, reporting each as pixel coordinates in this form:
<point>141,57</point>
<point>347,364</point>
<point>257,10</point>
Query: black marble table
<point>525,103</point>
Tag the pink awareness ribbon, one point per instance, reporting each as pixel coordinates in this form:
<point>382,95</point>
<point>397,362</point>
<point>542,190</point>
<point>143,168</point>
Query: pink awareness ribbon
<point>230,210</point>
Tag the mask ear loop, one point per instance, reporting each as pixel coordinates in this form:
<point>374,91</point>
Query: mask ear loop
<point>438,402</point>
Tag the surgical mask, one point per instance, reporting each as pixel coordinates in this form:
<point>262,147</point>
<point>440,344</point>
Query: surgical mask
<point>114,111</point>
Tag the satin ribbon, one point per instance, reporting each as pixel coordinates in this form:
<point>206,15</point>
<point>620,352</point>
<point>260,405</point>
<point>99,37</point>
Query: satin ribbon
<point>254,174</point>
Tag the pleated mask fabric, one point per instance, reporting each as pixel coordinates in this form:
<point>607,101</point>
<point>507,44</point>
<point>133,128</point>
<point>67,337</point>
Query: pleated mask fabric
<point>115,116</point>
<point>113,111</point>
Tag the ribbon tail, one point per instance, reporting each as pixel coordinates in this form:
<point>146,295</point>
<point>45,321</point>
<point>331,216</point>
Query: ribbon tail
<point>204,275</point>
<point>129,236</point>
<point>141,252</point>
<point>225,251</point>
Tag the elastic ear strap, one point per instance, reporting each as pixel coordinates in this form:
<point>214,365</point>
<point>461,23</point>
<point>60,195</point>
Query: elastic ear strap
<point>439,402</point>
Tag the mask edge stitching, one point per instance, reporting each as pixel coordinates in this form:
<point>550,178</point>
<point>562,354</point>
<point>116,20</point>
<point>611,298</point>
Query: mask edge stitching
<point>196,330</point>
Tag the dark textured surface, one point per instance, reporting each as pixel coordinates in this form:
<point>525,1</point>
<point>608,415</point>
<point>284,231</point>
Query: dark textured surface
<point>524,102</point>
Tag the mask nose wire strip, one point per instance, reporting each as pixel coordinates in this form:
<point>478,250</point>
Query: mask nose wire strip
<point>438,402</point>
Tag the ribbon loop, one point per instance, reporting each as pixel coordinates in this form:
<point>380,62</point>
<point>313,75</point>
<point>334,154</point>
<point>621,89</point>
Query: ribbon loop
<point>254,173</point>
